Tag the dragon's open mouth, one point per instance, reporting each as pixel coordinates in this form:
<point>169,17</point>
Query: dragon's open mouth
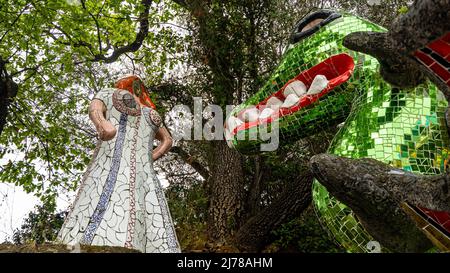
<point>299,92</point>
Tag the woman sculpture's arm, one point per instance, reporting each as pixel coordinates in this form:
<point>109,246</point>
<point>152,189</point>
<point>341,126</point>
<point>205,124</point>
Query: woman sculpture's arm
<point>165,143</point>
<point>97,110</point>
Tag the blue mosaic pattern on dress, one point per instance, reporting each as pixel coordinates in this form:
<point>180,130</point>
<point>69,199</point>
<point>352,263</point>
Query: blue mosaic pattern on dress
<point>171,237</point>
<point>109,185</point>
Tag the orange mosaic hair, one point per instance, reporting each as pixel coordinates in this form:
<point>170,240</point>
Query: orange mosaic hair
<point>126,83</point>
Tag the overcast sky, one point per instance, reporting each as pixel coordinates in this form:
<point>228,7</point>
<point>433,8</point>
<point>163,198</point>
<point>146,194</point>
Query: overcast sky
<point>15,204</point>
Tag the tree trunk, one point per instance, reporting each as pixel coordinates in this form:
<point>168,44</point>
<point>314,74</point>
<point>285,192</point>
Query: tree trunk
<point>227,192</point>
<point>256,232</point>
<point>8,90</point>
<point>4,102</point>
<point>254,192</point>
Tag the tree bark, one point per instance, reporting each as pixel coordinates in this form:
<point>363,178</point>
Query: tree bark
<point>375,192</point>
<point>186,157</point>
<point>425,22</point>
<point>256,233</point>
<point>227,192</point>
<point>8,90</point>
<point>254,192</point>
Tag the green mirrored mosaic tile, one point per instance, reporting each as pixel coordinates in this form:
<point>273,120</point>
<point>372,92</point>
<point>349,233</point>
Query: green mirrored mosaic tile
<point>404,128</point>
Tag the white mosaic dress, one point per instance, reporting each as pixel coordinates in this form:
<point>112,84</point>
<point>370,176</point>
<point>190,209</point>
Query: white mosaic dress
<point>120,201</point>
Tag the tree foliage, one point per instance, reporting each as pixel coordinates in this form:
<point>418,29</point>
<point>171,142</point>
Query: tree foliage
<point>304,234</point>
<point>40,226</point>
<point>58,53</point>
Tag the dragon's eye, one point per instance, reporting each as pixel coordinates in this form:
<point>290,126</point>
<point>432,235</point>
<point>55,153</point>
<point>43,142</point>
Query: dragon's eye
<point>311,24</point>
<point>137,88</point>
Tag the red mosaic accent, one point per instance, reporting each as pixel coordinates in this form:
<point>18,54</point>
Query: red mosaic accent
<point>441,218</point>
<point>440,47</point>
<point>441,72</point>
<point>427,61</point>
<point>155,118</point>
<point>436,57</point>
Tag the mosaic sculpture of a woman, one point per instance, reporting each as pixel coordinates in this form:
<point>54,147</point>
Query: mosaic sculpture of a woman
<point>120,201</point>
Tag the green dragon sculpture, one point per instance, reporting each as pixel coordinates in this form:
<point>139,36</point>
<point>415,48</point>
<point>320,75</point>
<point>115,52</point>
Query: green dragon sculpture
<point>403,128</point>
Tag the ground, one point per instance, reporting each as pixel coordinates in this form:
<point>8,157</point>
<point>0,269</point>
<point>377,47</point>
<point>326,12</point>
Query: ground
<point>59,248</point>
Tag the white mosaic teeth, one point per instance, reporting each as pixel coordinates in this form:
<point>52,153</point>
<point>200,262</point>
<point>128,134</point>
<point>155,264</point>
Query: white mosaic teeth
<point>296,87</point>
<point>266,113</point>
<point>293,92</point>
<point>319,83</point>
<point>233,123</point>
<point>274,103</point>
<point>290,101</point>
<point>251,114</point>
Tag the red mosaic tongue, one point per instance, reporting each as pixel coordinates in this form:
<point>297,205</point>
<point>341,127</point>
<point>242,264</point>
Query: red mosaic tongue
<point>436,57</point>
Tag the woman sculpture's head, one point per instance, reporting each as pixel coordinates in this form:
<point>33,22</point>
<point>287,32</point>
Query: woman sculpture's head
<point>134,85</point>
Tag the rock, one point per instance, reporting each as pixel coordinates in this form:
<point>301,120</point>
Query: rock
<point>375,191</point>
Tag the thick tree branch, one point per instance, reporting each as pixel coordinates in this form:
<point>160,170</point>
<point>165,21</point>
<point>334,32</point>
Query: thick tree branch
<point>99,38</point>
<point>14,22</point>
<point>136,44</point>
<point>426,21</point>
<point>34,68</point>
<point>374,191</point>
<point>8,90</point>
<point>190,160</point>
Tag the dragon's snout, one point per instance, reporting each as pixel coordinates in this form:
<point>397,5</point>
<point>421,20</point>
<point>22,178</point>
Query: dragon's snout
<point>293,99</point>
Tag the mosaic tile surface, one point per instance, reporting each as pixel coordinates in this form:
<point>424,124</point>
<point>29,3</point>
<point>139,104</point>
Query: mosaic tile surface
<point>404,128</point>
<point>120,201</point>
<point>328,110</point>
